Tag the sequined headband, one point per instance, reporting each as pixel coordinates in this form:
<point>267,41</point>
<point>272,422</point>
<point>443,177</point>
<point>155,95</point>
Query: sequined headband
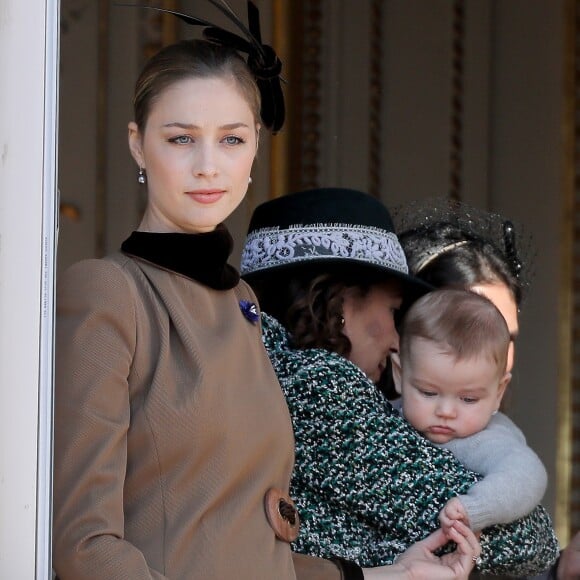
<point>440,251</point>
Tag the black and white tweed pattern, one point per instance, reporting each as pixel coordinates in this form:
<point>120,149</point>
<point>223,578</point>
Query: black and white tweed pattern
<point>367,485</point>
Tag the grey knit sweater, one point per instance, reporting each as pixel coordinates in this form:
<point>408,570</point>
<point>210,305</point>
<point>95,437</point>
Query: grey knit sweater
<point>514,479</point>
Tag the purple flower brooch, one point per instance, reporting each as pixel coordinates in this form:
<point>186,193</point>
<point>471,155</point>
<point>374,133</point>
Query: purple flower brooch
<point>249,310</point>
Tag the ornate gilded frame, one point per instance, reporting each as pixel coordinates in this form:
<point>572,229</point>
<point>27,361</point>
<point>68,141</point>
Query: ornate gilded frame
<point>567,513</point>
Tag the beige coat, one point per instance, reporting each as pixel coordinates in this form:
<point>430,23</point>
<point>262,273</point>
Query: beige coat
<point>170,427</point>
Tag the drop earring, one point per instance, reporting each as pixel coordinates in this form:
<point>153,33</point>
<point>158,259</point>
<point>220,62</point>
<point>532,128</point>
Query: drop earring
<point>141,179</point>
<point>250,180</point>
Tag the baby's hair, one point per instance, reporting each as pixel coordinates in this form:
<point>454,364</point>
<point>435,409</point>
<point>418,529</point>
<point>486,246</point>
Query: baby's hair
<point>466,325</point>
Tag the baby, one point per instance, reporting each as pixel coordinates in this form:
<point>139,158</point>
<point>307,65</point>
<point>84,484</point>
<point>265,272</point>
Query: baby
<point>451,375</point>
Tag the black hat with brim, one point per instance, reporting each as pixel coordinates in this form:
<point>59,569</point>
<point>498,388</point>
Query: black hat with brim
<point>331,230</point>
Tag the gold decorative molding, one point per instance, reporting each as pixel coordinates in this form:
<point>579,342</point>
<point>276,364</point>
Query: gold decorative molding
<point>101,124</point>
<point>310,102</point>
<point>280,146</point>
<point>169,23</point>
<point>158,29</point>
<point>567,460</point>
<point>375,92</point>
<point>570,134</point>
<point>456,145</point>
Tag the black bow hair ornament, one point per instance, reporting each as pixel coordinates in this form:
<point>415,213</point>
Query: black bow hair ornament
<point>511,252</point>
<point>262,59</point>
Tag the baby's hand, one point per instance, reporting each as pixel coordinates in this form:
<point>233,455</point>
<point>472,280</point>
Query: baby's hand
<point>452,512</point>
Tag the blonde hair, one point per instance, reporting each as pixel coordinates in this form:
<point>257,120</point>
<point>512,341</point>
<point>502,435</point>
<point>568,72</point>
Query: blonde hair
<point>192,59</point>
<point>466,324</point>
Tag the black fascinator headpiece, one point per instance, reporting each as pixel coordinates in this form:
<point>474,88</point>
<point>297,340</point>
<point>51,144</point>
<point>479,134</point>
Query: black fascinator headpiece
<point>431,227</point>
<point>261,58</point>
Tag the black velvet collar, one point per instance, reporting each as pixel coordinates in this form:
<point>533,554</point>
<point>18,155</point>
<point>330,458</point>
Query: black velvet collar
<point>201,257</point>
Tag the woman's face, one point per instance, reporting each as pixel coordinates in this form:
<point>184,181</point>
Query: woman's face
<point>370,327</point>
<point>197,150</point>
<point>504,301</point>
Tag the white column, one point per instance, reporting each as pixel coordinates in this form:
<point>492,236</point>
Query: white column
<point>28,120</point>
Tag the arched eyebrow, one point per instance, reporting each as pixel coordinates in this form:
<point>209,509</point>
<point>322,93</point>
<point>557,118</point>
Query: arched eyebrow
<point>190,127</point>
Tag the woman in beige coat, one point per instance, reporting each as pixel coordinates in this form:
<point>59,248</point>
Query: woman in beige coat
<point>173,443</point>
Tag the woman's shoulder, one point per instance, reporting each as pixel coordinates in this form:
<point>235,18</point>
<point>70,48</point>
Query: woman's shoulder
<point>287,360</point>
<point>274,335</point>
<point>312,369</point>
<point>278,342</point>
<point>109,266</point>
<point>102,277</point>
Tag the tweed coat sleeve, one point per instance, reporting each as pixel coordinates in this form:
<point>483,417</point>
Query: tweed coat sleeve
<point>95,342</point>
<point>514,478</point>
<point>366,483</point>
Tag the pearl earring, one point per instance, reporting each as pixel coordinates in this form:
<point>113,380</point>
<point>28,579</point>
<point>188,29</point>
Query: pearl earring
<point>250,179</point>
<point>141,179</point>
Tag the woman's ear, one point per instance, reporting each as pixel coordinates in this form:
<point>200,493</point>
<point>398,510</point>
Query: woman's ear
<point>396,367</point>
<point>503,383</point>
<point>136,144</point>
<point>258,127</point>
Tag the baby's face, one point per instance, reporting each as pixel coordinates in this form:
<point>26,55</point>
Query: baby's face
<point>445,398</point>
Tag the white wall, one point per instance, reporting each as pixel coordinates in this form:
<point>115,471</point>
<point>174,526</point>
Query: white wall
<point>28,110</point>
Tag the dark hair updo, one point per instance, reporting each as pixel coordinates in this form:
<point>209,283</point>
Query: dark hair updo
<point>192,59</point>
<point>443,254</point>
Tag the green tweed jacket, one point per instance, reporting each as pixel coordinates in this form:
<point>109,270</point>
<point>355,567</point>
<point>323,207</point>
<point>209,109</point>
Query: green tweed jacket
<point>366,483</point>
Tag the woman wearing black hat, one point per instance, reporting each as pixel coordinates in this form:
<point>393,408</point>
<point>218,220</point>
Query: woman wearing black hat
<point>328,266</point>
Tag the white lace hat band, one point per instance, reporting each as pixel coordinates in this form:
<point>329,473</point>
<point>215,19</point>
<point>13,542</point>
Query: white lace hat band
<point>341,231</point>
<point>274,247</point>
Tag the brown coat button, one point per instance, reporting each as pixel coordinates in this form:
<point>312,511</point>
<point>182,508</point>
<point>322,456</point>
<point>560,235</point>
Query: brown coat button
<point>282,515</point>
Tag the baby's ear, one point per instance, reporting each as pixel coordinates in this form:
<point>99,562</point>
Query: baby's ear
<point>396,368</point>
